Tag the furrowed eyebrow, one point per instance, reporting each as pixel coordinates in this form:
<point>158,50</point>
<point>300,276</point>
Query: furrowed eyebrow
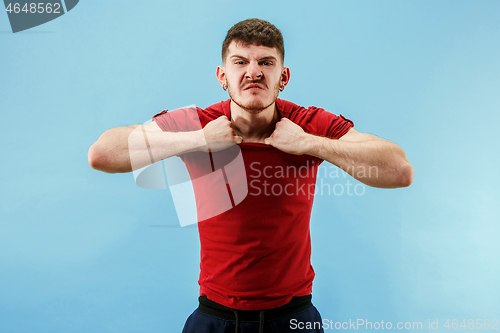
<point>268,58</point>
<point>244,58</point>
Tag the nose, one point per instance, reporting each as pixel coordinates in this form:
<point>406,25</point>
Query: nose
<point>253,71</point>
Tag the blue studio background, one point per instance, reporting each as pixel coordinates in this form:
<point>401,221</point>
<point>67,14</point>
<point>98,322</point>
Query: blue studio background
<point>84,251</point>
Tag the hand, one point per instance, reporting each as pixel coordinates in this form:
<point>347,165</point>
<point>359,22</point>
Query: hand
<point>219,135</point>
<point>288,137</point>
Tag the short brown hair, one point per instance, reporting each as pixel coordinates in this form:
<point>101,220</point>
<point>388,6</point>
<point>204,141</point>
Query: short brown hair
<point>254,31</point>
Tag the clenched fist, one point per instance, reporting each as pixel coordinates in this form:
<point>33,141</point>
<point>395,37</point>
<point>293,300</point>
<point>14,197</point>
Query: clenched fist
<point>289,137</point>
<point>219,135</point>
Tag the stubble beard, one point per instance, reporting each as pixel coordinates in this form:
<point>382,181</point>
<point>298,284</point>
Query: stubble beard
<point>254,107</point>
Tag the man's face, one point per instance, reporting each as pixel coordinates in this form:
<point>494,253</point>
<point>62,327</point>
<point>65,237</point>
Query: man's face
<point>253,75</point>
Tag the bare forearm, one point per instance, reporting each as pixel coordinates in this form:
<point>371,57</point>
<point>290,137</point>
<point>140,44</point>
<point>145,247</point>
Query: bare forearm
<point>124,149</point>
<point>377,163</point>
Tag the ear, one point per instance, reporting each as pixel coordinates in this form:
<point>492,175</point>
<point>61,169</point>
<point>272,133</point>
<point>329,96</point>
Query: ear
<point>285,76</point>
<point>221,76</point>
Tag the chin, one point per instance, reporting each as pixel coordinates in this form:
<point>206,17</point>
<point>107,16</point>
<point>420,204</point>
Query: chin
<point>253,105</point>
<point>256,106</point>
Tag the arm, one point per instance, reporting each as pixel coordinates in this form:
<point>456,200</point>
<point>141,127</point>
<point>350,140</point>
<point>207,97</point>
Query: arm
<point>369,159</point>
<point>124,149</point>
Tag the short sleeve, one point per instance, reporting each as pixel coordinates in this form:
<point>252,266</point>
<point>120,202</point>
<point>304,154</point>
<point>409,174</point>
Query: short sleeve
<point>335,126</point>
<point>320,122</point>
<point>180,120</point>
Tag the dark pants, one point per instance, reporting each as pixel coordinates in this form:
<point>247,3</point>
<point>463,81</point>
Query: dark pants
<point>304,321</point>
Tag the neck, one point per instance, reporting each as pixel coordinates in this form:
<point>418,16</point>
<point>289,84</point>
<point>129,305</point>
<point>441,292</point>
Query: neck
<point>254,126</point>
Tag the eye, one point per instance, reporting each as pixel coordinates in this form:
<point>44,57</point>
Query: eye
<point>267,63</point>
<point>239,62</point>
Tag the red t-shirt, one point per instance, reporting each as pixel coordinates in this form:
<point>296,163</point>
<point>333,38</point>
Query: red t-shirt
<point>255,255</point>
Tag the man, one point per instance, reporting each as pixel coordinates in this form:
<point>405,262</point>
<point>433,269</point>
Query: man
<point>255,274</point>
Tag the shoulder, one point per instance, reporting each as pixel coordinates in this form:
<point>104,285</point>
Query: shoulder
<point>189,117</point>
<point>315,120</point>
<point>216,110</point>
<point>213,112</point>
<point>288,109</point>
<point>299,114</point>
